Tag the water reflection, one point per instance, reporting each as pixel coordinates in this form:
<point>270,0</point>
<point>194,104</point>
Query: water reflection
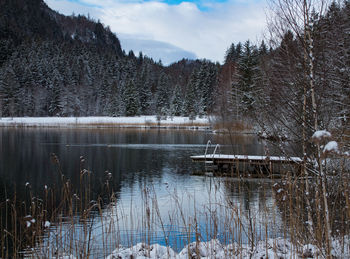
<point>177,210</point>
<point>122,152</point>
<point>144,168</point>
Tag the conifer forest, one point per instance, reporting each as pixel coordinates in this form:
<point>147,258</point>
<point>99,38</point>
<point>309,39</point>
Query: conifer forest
<point>56,65</point>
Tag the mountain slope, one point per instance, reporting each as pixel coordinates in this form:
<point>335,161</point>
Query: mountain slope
<point>56,65</point>
<point>27,20</point>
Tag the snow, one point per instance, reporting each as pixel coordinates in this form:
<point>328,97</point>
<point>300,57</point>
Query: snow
<point>140,121</point>
<point>321,134</point>
<point>270,248</point>
<point>233,157</point>
<point>66,257</point>
<point>29,220</point>
<point>331,146</point>
<point>142,250</point>
<point>211,249</point>
<point>47,224</point>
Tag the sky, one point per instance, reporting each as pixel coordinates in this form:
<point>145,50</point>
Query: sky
<point>173,29</point>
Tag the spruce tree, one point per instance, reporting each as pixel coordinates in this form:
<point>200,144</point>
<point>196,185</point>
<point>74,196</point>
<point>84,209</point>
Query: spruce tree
<point>9,92</point>
<point>247,68</point>
<point>144,85</point>
<point>191,98</point>
<point>131,99</point>
<point>176,106</point>
<point>162,95</point>
<point>54,106</point>
<point>230,54</point>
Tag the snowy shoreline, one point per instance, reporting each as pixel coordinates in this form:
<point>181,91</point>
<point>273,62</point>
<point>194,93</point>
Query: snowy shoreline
<point>106,122</point>
<point>270,248</point>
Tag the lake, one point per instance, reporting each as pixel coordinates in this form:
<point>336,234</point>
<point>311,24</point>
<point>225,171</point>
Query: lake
<point>156,197</point>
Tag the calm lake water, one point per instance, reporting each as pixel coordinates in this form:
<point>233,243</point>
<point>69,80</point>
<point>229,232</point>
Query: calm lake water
<point>146,168</point>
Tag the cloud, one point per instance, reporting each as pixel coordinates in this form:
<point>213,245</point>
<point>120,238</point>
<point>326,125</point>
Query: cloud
<point>157,50</point>
<point>206,29</point>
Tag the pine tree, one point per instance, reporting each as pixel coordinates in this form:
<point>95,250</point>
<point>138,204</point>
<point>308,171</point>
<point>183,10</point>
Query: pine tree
<point>247,68</point>
<point>191,98</point>
<point>262,49</point>
<point>54,106</point>
<point>176,105</point>
<point>162,96</point>
<point>144,85</point>
<point>207,80</point>
<point>6,49</point>
<point>131,99</point>
<point>9,92</point>
<point>230,54</point>
<point>238,52</point>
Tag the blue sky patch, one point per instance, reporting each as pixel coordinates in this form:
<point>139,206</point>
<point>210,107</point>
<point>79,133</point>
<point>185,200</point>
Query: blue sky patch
<point>201,4</point>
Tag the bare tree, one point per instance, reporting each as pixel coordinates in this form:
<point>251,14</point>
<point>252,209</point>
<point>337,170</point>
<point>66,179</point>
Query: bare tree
<point>298,18</point>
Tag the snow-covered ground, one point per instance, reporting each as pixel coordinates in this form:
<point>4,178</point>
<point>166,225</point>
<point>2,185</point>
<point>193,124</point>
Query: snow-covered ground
<point>140,121</point>
<point>271,248</point>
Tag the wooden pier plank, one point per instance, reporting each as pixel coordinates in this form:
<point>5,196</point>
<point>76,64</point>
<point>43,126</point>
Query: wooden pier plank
<point>248,163</point>
<point>227,158</point>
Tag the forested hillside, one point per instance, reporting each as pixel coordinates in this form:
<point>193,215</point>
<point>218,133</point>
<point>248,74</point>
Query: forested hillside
<point>54,65</point>
<point>300,83</point>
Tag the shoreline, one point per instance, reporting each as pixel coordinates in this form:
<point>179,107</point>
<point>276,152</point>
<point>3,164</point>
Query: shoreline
<point>143,122</point>
<point>270,248</point>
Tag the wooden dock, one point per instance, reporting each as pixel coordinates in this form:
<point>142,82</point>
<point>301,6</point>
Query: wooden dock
<point>257,165</point>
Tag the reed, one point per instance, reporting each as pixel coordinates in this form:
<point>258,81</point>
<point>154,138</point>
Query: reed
<point>71,220</point>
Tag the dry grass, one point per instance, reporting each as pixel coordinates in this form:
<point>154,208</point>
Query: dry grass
<point>231,126</point>
<point>88,226</point>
